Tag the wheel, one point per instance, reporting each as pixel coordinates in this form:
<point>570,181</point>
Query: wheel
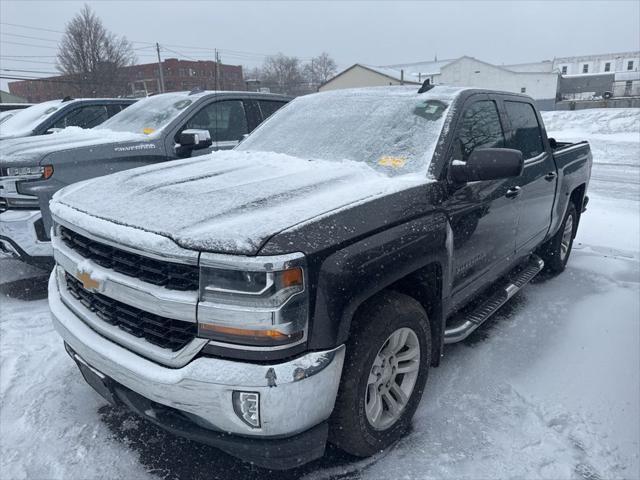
<point>386,367</point>
<point>556,251</point>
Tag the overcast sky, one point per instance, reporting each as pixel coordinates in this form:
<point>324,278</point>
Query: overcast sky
<point>376,33</point>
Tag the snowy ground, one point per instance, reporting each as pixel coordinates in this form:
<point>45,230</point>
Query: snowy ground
<point>549,388</point>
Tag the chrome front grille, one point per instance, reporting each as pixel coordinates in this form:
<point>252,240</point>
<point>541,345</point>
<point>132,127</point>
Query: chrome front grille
<point>174,276</point>
<point>161,331</point>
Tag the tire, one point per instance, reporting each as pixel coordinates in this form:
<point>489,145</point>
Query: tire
<point>557,250</point>
<point>354,427</point>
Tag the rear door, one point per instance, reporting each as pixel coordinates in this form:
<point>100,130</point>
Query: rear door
<point>483,215</point>
<point>538,180</point>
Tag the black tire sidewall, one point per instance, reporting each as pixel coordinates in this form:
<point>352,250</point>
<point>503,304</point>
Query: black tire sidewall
<point>394,311</point>
<point>553,258</point>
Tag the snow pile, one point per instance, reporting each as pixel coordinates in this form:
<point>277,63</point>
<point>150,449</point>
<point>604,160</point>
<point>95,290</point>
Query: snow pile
<point>603,121</point>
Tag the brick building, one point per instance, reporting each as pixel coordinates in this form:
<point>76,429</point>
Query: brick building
<point>138,80</point>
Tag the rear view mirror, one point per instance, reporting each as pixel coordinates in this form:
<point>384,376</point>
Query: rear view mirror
<point>195,139</point>
<point>488,164</point>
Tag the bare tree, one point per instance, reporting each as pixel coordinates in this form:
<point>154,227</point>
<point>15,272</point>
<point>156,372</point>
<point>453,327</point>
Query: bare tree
<point>320,69</point>
<point>94,56</point>
<point>282,74</point>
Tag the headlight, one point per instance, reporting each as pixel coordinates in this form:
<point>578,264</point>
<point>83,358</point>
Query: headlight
<point>33,172</point>
<point>262,308</point>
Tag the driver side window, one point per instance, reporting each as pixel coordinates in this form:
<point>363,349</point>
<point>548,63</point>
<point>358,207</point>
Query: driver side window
<point>225,120</point>
<point>481,128</point>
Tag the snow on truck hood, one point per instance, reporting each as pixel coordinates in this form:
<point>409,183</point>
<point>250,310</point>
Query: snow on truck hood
<point>32,149</point>
<point>228,202</point>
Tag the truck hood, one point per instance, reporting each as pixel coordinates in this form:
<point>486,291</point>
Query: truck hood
<point>227,202</point>
<point>32,150</point>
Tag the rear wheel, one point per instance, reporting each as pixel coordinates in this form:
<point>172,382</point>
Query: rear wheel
<point>386,367</point>
<point>557,250</point>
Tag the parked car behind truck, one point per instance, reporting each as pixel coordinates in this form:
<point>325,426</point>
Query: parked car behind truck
<point>159,128</point>
<point>48,117</point>
<point>299,288</point>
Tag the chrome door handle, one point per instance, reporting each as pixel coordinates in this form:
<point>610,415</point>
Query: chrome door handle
<point>550,176</point>
<point>513,192</point>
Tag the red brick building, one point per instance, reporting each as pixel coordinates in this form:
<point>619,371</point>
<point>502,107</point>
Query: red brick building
<point>138,80</point>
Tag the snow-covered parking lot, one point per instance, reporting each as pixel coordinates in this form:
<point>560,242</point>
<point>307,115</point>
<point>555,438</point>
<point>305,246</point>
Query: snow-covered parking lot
<point>549,388</point>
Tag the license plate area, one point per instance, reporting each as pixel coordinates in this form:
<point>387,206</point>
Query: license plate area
<point>96,379</point>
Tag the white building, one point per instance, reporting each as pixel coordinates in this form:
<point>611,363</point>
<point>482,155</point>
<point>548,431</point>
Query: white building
<point>535,79</point>
<point>604,63</point>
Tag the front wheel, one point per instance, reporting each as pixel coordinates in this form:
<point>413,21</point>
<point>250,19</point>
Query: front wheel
<point>386,367</point>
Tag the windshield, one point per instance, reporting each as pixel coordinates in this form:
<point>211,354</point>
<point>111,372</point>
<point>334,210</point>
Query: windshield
<point>394,131</point>
<point>23,122</point>
<point>149,115</point>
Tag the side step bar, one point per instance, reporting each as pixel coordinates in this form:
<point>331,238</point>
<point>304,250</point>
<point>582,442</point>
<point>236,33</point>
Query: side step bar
<point>470,321</point>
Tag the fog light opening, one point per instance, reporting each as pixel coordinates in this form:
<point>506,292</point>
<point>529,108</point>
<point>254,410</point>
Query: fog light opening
<point>246,405</point>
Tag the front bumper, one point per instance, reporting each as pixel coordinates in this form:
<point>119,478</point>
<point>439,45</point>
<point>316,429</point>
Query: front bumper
<point>301,397</point>
<point>19,236</point>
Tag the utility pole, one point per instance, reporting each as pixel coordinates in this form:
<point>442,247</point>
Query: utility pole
<point>160,68</point>
<point>217,58</point>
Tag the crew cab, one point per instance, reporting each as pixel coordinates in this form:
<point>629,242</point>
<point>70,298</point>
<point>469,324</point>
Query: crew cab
<point>48,117</point>
<point>298,289</point>
<point>156,129</point>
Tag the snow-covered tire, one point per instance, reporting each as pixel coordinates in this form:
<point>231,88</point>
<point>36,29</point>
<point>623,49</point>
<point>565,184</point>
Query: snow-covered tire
<point>557,250</point>
<point>369,384</point>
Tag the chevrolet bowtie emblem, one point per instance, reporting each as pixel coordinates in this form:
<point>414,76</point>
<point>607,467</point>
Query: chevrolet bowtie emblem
<point>87,282</point>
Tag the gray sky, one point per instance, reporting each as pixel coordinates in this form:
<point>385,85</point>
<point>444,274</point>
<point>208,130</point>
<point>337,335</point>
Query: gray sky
<point>370,32</point>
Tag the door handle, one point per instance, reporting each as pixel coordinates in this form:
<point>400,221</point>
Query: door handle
<point>550,176</point>
<point>513,192</point>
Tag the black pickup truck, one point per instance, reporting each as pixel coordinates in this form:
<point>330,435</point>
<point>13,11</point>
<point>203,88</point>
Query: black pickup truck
<point>156,129</point>
<point>299,288</point>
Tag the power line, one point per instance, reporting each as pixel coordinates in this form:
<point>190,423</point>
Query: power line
<point>29,71</point>
<point>30,45</point>
<point>30,28</point>
<point>29,61</point>
<point>9,34</point>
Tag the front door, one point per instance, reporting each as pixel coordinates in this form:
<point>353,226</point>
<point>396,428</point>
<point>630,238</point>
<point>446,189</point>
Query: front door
<point>225,120</point>
<point>483,214</point>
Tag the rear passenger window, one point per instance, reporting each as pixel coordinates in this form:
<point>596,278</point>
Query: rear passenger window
<point>525,131</point>
<point>84,117</point>
<point>269,107</point>
<point>481,128</point>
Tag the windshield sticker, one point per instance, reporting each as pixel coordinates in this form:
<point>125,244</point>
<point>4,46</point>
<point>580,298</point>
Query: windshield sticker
<point>181,104</point>
<point>148,130</point>
<point>141,146</point>
<point>394,162</point>
<point>430,109</point>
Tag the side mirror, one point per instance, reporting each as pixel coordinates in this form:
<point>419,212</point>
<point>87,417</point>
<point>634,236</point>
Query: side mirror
<point>488,164</point>
<point>195,139</point>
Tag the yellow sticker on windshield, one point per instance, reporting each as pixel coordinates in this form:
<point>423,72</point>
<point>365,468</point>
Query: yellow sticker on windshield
<point>148,130</point>
<point>394,162</point>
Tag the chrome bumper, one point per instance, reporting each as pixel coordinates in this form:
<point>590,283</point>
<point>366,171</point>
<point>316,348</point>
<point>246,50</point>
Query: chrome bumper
<point>17,229</point>
<point>303,395</point>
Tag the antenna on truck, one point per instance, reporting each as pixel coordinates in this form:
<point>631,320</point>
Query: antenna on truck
<point>426,86</point>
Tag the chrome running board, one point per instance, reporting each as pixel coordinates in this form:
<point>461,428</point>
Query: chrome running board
<point>468,322</point>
